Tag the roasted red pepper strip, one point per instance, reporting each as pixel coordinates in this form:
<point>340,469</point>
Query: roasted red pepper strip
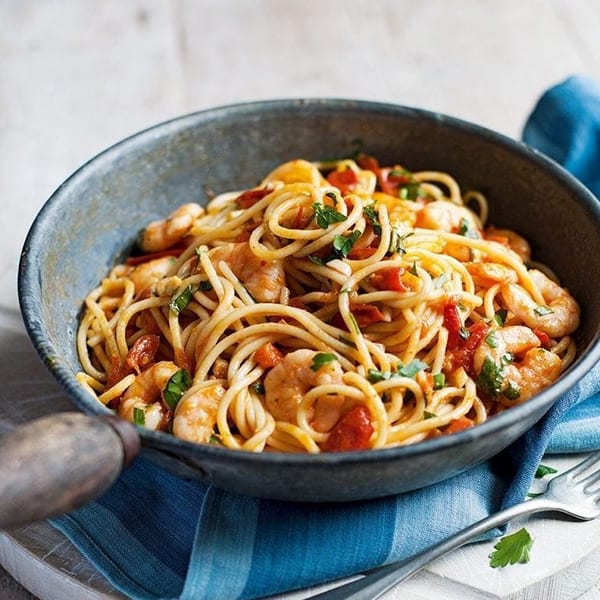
<point>544,338</point>
<point>345,181</point>
<point>268,356</point>
<point>389,279</point>
<point>453,323</point>
<point>463,356</point>
<point>459,424</point>
<point>251,197</point>
<point>366,314</point>
<point>352,432</point>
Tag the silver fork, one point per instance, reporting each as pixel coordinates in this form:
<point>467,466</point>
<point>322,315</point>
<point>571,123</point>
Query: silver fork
<point>575,492</point>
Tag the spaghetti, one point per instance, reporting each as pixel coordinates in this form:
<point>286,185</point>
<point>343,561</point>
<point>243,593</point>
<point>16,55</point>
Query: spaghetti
<point>336,306</point>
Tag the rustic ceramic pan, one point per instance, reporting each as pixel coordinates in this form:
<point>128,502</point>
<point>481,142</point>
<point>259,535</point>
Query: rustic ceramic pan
<point>92,220</point>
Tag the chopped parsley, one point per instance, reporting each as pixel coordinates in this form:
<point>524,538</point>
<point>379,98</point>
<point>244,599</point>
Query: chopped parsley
<point>321,359</point>
<point>465,230</point>
<point>490,340</point>
<point>491,378</point>
<point>500,317</point>
<point>512,549</point>
<point>373,217</point>
<point>343,245</point>
<point>439,381</point>
<point>182,300</point>
<point>542,310</point>
<point>176,386</point>
<point>139,416</point>
<point>544,470</point>
<point>205,286</point>
<point>326,215</point>
<point>397,241</point>
<point>413,269</point>
<point>411,191</point>
<point>409,370</point>
<point>429,415</point>
<point>512,391</point>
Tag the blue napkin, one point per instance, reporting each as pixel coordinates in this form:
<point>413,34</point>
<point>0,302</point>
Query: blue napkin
<point>154,535</point>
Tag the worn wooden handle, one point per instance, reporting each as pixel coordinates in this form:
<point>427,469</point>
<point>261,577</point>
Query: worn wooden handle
<point>58,463</point>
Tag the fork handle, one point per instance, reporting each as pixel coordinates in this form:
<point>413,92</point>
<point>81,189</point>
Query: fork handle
<point>375,584</point>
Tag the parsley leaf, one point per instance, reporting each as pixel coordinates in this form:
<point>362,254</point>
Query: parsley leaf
<point>411,369</point>
<point>327,215</point>
<point>544,470</point>
<point>373,217</point>
<point>180,302</point>
<point>397,241</point>
<point>176,386</point>
<point>439,381</point>
<point>258,388</point>
<point>512,549</point>
<point>465,230</point>
<point>512,392</point>
<point>491,377</point>
<point>342,245</point>
<point>428,415</point>
<point>139,416</point>
<point>321,359</point>
<point>542,310</point>
<point>490,340</point>
<point>500,317</point>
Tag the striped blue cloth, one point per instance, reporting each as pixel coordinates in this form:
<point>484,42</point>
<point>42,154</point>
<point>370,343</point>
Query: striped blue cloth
<point>154,535</point>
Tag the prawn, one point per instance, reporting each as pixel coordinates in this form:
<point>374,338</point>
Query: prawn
<point>147,274</point>
<point>264,279</point>
<point>510,238</point>
<point>146,394</point>
<point>487,273</point>
<point>287,383</point>
<point>519,380</point>
<point>446,216</point>
<point>558,318</point>
<point>196,413</point>
<point>165,233</point>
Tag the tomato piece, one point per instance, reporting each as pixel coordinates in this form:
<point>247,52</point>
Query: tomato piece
<point>345,180</point>
<point>268,356</point>
<point>366,314</point>
<point>352,432</point>
<point>361,253</point>
<point>368,163</point>
<point>463,356</point>
<point>389,279</point>
<point>453,323</point>
<point>117,371</point>
<point>390,181</point>
<point>251,197</point>
<point>544,338</point>
<point>142,352</point>
<point>459,424</point>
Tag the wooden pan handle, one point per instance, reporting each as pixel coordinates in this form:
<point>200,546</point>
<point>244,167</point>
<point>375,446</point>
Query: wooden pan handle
<point>56,464</point>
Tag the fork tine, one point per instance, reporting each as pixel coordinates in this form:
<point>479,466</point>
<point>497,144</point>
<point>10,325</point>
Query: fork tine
<point>584,465</point>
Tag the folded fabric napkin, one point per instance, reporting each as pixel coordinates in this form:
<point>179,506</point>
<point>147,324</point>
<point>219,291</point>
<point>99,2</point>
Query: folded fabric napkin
<point>154,535</point>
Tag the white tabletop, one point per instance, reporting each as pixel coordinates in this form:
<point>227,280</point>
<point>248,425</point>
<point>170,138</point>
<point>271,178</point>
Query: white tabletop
<point>78,75</point>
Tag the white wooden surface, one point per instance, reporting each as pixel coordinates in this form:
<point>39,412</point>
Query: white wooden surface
<point>78,75</point>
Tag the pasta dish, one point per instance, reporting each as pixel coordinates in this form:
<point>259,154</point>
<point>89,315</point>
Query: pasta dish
<point>336,306</point>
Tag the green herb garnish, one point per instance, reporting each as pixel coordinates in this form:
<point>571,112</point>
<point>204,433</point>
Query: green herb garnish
<point>139,416</point>
<point>465,230</point>
<point>258,388</point>
<point>321,359</point>
<point>411,369</point>
<point>490,340</point>
<point>542,310</point>
<point>491,378</point>
<point>439,381</point>
<point>326,215</point>
<point>397,241</point>
<point>544,470</point>
<point>512,392</point>
<point>512,549</point>
<point>500,317</point>
<point>182,300</point>
<point>343,245</point>
<point>205,286</point>
<point>429,415</point>
<point>176,387</point>
<point>373,217</point>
